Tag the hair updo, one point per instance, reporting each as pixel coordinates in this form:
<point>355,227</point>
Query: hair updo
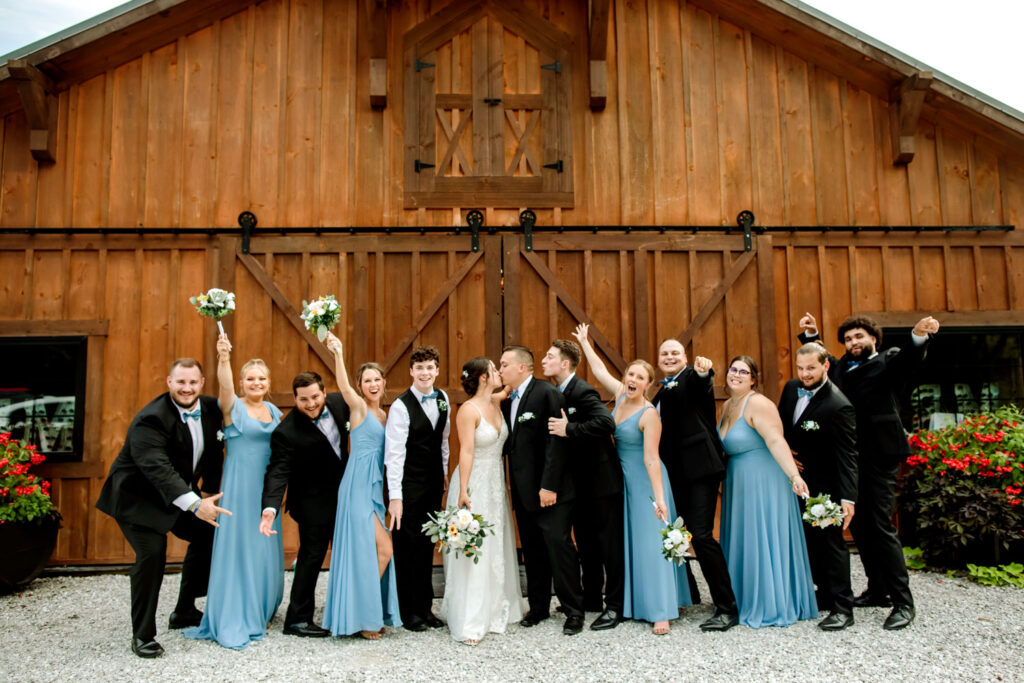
<point>472,370</point>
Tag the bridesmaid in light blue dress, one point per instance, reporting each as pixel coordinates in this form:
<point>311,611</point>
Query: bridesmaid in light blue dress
<point>762,532</point>
<point>655,587</point>
<point>361,595</point>
<point>247,569</point>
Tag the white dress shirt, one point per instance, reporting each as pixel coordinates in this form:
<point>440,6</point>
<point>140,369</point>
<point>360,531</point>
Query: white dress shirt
<point>396,433</point>
<point>802,401</point>
<point>563,385</point>
<point>329,428</point>
<point>515,402</point>
<point>195,428</point>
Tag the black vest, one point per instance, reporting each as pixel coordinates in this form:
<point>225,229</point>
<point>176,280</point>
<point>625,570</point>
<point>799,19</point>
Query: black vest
<point>422,478</point>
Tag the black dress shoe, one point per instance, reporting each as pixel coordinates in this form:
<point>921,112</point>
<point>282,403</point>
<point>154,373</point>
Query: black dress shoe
<point>901,616</point>
<point>608,619</point>
<point>532,619</point>
<point>432,621</point>
<point>867,599</point>
<point>185,618</point>
<point>415,624</point>
<point>306,630</point>
<point>573,625</point>
<point>836,621</point>
<point>721,621</point>
<point>146,648</point>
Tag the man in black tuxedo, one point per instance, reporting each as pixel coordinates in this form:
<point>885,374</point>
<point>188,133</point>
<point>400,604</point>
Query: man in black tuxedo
<point>416,460</point>
<point>542,491</point>
<point>308,454</point>
<point>695,460</point>
<point>871,381</point>
<point>587,426</point>
<point>152,489</point>
<point>820,427</point>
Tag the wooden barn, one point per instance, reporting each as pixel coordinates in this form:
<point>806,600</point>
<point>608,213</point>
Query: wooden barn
<point>476,172</point>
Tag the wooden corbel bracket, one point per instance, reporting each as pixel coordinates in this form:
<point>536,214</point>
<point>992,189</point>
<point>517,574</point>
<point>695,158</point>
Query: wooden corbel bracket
<point>376,25</point>
<point>598,53</point>
<point>36,92</point>
<point>905,104</point>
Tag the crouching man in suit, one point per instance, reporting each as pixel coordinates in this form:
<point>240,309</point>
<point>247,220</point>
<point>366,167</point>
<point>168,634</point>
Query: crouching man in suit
<point>152,488</point>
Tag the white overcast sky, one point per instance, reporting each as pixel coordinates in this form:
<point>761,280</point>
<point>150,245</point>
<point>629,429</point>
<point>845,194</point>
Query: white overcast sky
<point>976,42</point>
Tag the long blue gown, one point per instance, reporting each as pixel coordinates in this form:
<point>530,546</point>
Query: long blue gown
<point>247,569</point>
<point>762,534</point>
<point>357,600</point>
<point>655,587</point>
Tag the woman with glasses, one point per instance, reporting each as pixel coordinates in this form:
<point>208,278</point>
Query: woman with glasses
<point>762,531</point>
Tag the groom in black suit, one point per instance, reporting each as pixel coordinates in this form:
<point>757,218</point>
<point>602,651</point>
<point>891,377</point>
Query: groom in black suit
<point>695,461</point>
<point>872,380</point>
<point>542,491</point>
<point>597,522</point>
<point>820,427</point>
<point>152,488</point>
<point>308,454</point>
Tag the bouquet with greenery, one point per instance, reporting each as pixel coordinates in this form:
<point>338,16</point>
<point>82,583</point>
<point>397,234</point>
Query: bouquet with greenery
<point>821,512</point>
<point>24,497</point>
<point>215,303</point>
<point>675,542</point>
<point>321,315</point>
<point>458,530</point>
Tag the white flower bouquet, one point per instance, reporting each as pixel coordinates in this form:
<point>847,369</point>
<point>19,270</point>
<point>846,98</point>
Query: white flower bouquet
<point>675,542</point>
<point>821,512</point>
<point>458,530</point>
<point>321,315</point>
<point>215,303</point>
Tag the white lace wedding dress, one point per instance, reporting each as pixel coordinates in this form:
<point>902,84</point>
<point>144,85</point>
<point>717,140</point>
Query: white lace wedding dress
<point>484,597</point>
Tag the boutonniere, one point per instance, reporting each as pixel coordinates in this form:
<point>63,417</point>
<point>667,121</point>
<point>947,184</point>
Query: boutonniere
<point>672,385</point>
<point>810,426</point>
<point>220,435</point>
<point>348,426</point>
<point>525,417</point>
<point>441,405</point>
<point>572,411</point>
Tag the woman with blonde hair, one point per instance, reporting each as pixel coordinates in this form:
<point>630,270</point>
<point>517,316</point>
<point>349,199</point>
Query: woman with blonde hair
<point>247,570</point>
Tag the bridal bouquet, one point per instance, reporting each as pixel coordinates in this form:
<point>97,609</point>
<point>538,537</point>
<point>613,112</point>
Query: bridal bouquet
<point>321,315</point>
<point>458,530</point>
<point>675,542</point>
<point>215,303</point>
<point>821,512</point>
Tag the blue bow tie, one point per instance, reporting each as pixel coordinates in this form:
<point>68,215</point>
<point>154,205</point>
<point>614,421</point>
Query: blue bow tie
<point>433,394</point>
<point>666,381</point>
<point>321,417</point>
<point>193,415</point>
<point>514,395</point>
<point>804,393</point>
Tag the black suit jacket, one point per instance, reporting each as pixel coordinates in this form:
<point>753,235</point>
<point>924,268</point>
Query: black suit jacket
<point>872,388</point>
<point>824,438</point>
<point>593,460</point>
<point>537,460</point>
<point>154,466</point>
<point>302,460</point>
<point>690,447</point>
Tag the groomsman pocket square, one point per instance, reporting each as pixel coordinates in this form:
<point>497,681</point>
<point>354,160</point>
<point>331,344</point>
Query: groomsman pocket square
<point>809,426</point>
<point>525,417</point>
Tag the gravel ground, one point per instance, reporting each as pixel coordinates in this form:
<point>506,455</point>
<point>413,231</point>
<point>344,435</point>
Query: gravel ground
<point>77,628</point>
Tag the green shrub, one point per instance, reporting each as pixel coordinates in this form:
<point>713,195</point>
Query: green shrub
<point>1003,575</point>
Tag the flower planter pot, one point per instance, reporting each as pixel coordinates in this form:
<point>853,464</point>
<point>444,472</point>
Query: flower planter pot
<point>25,549</point>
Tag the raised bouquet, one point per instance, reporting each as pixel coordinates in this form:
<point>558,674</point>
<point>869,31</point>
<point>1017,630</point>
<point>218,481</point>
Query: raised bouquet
<point>458,530</point>
<point>215,303</point>
<point>321,315</point>
<point>821,512</point>
<point>675,542</point>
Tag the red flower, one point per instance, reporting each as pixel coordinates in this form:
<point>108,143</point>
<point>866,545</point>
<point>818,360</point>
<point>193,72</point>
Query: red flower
<point>37,458</point>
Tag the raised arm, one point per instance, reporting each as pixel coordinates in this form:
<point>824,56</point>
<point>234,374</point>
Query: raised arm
<point>466,422</point>
<point>764,417</point>
<point>225,380</point>
<point>596,364</point>
<point>356,404</point>
<point>650,425</point>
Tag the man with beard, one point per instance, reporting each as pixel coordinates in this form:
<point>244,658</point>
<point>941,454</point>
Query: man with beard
<point>871,380</point>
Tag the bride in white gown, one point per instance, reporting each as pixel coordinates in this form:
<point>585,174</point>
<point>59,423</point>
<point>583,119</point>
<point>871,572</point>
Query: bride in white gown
<point>486,596</point>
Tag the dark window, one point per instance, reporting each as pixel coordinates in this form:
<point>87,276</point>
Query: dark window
<point>967,370</point>
<point>42,393</point>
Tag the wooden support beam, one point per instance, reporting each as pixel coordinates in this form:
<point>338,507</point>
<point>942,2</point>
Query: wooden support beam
<point>377,38</point>
<point>36,92</point>
<point>598,48</point>
<point>717,296</point>
<point>906,102</point>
